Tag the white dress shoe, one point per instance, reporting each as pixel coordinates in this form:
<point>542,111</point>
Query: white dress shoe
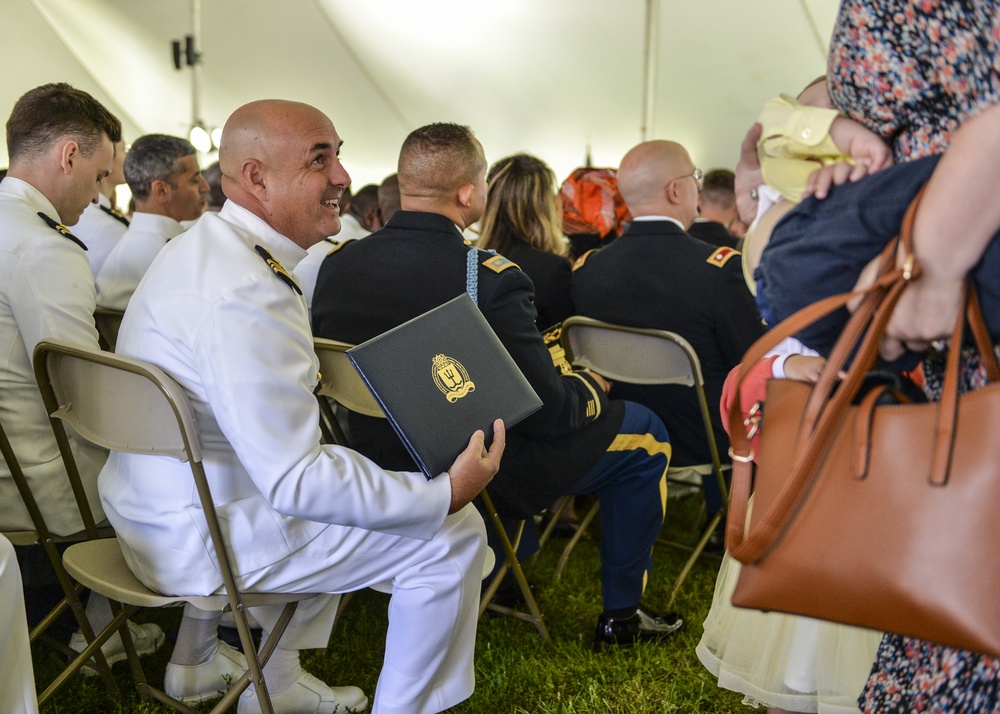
<point>199,682</point>
<point>147,638</point>
<point>308,695</point>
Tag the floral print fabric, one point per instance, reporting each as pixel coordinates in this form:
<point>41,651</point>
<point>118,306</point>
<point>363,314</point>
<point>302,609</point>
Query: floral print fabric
<point>914,70</point>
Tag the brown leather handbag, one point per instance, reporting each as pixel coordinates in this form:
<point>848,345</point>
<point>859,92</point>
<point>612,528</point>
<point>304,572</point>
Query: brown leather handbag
<point>866,513</point>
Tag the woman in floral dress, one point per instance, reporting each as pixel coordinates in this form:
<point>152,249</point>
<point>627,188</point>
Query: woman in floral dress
<point>913,72</point>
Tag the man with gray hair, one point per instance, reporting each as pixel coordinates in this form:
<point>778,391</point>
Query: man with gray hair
<point>166,183</point>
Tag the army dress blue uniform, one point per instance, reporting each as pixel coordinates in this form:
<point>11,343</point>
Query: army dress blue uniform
<point>578,442</point>
<point>657,276</point>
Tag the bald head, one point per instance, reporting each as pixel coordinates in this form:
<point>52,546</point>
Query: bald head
<point>657,178</point>
<point>279,160</point>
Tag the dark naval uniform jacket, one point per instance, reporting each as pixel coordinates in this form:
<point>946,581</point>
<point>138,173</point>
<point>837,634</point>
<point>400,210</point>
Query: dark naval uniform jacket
<point>417,262</point>
<point>657,276</point>
<point>552,276</point>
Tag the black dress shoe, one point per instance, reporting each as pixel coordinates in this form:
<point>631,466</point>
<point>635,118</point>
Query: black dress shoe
<point>717,541</point>
<point>643,625</point>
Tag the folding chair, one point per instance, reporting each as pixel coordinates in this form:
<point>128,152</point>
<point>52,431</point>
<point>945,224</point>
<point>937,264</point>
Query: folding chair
<point>645,356</point>
<point>108,323</point>
<point>340,384</point>
<point>340,381</point>
<point>71,589</point>
<point>126,405</point>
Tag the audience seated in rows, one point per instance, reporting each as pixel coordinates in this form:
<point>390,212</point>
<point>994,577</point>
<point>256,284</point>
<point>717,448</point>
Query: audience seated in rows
<point>166,183</point>
<point>656,275</point>
<point>578,442</point>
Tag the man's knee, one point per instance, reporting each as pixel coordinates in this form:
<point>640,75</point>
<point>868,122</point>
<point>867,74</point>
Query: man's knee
<point>465,531</point>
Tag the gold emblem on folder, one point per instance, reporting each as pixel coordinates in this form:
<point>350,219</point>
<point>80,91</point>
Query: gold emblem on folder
<point>451,378</point>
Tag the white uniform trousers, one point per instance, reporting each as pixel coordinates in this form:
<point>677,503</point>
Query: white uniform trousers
<point>428,664</point>
<point>17,680</point>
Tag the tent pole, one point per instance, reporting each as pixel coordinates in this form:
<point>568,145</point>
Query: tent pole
<point>196,119</point>
<point>649,68</point>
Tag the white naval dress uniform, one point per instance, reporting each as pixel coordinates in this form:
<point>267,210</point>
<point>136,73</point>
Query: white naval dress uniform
<point>99,231</point>
<point>308,268</point>
<point>129,260</point>
<point>303,517</point>
<point>46,290</point>
<point>17,679</point>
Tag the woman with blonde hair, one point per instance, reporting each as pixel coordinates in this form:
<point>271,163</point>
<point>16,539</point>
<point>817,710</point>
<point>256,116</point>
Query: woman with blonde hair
<point>522,222</point>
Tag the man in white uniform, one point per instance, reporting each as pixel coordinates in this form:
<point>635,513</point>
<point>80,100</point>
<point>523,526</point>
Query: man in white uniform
<point>219,311</point>
<point>166,182</point>
<point>60,142</point>
<point>102,225</point>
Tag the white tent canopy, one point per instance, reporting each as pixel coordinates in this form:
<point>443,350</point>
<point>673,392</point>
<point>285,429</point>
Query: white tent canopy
<point>551,77</point>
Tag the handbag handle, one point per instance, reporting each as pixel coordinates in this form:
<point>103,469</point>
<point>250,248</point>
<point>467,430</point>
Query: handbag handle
<point>740,452</point>
<point>823,413</point>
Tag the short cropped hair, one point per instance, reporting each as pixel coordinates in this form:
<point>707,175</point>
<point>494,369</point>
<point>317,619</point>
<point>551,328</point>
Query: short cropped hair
<point>388,197</point>
<point>50,112</point>
<point>521,206</point>
<point>438,158</point>
<point>366,199</point>
<point>154,157</point>
<point>717,188</point>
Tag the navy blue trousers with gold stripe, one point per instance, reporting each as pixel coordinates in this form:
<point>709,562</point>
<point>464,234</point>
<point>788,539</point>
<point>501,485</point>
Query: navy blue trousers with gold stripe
<point>630,481</point>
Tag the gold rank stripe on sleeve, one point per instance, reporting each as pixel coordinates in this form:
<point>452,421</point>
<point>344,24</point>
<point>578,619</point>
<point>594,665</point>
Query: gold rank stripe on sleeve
<point>57,226</point>
<point>498,264</point>
<point>551,338</point>
<point>594,403</point>
<point>722,256</point>
<point>278,268</point>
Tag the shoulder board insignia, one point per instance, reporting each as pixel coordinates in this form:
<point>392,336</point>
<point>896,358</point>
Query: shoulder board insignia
<point>278,268</point>
<point>116,214</point>
<point>56,226</point>
<point>498,264</point>
<point>336,246</point>
<point>583,258</point>
<point>722,256</point>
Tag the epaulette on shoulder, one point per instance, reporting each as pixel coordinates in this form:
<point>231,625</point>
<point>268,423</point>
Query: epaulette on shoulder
<point>335,245</point>
<point>583,259</point>
<point>498,264</point>
<point>116,214</point>
<point>57,226</point>
<point>722,256</point>
<point>278,268</point>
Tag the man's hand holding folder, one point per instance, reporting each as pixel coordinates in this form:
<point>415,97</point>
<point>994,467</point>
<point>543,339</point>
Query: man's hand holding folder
<point>475,467</point>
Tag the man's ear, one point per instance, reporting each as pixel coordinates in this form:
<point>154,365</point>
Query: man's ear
<point>160,190</point>
<point>671,192</point>
<point>253,177</point>
<point>464,194</point>
<point>69,154</point>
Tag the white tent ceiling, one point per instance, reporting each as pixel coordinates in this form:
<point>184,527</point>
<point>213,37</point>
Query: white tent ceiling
<point>546,76</point>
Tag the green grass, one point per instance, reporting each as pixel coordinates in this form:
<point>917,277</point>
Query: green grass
<point>516,671</point>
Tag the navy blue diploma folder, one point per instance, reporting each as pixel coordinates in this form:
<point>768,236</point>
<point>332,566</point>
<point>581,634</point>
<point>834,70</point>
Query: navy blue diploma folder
<point>441,376</point>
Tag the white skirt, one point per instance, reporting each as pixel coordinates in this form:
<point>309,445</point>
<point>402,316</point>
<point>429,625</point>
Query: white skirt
<point>787,661</point>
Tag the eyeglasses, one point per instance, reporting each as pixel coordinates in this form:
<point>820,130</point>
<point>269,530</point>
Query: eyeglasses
<point>697,174</point>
